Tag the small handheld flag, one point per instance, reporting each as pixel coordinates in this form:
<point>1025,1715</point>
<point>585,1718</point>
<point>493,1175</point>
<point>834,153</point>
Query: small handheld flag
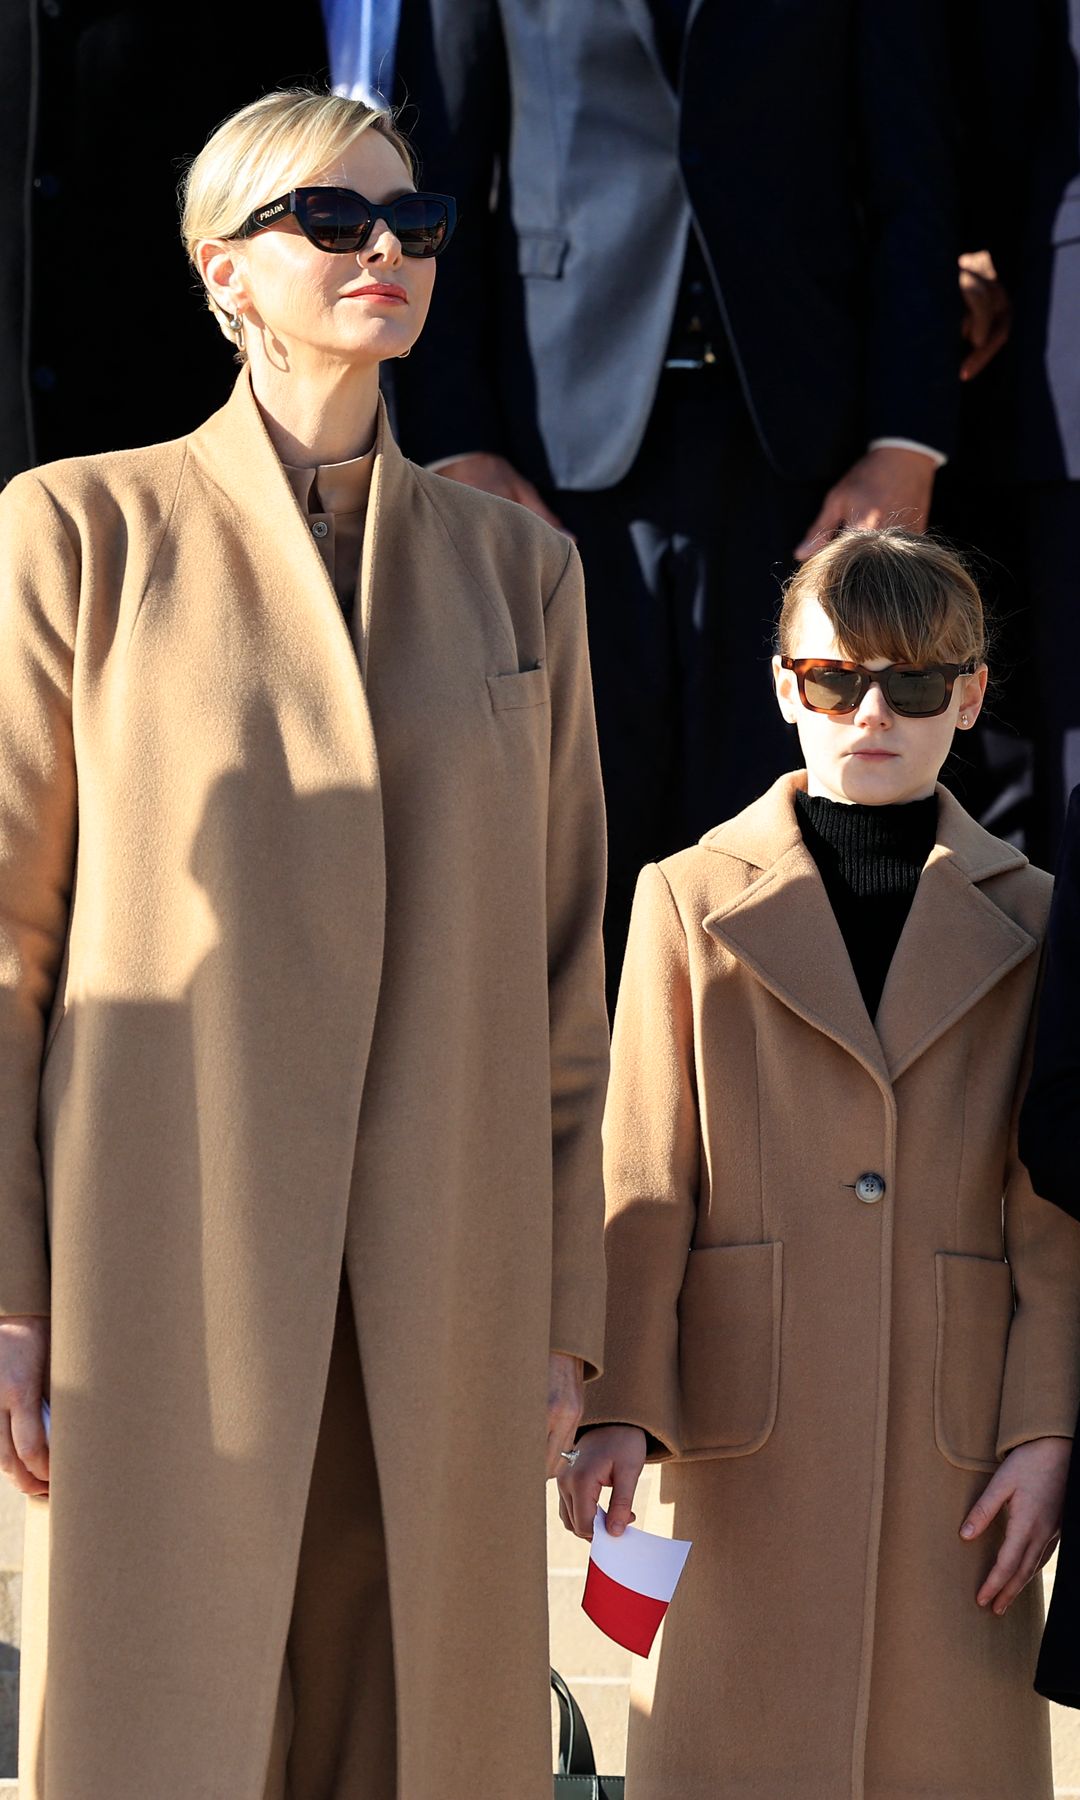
<point>630,1582</point>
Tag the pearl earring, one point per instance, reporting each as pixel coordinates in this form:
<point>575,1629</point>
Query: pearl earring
<point>963,718</point>
<point>235,322</point>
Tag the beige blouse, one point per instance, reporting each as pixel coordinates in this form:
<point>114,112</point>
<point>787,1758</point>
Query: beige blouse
<point>334,498</point>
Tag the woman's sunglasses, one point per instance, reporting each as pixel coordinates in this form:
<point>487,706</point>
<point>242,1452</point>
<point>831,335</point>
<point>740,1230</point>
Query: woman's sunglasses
<point>826,686</point>
<point>340,221</point>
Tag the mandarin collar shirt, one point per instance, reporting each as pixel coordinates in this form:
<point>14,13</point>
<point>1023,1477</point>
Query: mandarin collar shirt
<point>333,499</point>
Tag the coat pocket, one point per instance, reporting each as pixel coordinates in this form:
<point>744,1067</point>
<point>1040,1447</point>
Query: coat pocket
<point>974,1313</point>
<point>729,1347</point>
<point>528,688</point>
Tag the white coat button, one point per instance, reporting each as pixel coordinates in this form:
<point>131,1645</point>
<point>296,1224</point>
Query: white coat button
<point>869,1187</point>
<point>320,528</point>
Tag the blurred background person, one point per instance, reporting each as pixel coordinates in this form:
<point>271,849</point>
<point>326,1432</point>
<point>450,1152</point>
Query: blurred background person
<point>100,102</point>
<point>705,309</point>
<point>1014,488</point>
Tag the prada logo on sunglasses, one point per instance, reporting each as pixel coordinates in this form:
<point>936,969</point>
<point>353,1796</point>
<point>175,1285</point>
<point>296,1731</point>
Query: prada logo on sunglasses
<point>340,221</point>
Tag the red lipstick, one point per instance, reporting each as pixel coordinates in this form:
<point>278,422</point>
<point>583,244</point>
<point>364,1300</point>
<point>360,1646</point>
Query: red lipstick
<point>376,290</point>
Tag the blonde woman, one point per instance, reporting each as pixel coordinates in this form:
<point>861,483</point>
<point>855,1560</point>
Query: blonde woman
<point>302,1042</point>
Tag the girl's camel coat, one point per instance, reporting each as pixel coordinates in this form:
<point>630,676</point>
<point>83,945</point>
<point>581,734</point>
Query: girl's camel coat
<point>311,952</point>
<point>837,1370</point>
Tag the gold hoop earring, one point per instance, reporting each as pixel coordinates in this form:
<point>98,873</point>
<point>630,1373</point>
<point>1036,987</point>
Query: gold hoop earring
<point>402,354</point>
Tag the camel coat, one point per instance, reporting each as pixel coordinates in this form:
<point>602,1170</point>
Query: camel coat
<point>290,918</point>
<point>834,1367</point>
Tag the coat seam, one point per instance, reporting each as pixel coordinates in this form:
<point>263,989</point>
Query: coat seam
<point>162,535</point>
<point>877,1497</point>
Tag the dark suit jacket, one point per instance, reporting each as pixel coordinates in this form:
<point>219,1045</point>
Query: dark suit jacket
<point>1050,1146</point>
<point>1020,63</point>
<point>105,341</point>
<point>808,144</point>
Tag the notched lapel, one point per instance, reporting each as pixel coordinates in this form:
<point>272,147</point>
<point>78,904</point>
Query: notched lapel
<point>784,930</point>
<point>955,946</point>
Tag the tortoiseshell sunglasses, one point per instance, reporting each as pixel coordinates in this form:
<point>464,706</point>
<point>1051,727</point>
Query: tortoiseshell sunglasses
<point>829,686</point>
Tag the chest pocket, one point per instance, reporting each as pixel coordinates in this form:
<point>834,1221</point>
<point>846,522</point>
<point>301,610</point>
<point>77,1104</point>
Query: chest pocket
<point>528,687</point>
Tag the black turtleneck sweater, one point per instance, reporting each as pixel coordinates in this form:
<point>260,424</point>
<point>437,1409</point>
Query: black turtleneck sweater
<point>870,859</point>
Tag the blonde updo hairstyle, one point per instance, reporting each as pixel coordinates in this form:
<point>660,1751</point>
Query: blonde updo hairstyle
<point>276,143</point>
<point>890,593</point>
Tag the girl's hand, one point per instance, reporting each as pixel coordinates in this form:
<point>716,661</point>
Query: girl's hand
<point>566,1403</point>
<point>611,1456</point>
<point>1031,1484</point>
<point>24,1361</point>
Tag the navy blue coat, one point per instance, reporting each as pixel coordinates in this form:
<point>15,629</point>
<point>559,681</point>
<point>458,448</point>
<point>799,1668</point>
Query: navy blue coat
<point>1050,1147</point>
<point>1021,68</point>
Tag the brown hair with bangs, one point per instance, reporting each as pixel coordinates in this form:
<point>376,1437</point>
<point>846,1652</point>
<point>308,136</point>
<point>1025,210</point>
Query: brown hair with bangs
<point>890,593</point>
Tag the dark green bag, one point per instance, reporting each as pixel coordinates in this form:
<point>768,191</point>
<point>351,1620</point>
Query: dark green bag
<point>577,1778</point>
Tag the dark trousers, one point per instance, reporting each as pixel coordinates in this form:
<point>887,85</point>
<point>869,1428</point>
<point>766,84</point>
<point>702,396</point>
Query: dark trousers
<point>1052,519</point>
<point>1016,770</point>
<point>684,561</point>
<point>1058,1673</point>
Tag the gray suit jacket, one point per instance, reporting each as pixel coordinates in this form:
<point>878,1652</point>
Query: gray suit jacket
<point>806,141</point>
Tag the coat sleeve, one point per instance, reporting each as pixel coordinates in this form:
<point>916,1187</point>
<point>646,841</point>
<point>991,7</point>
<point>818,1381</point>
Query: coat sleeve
<point>651,1169</point>
<point>576,872</point>
<point>907,161</point>
<point>1041,1389</point>
<point>38,602</point>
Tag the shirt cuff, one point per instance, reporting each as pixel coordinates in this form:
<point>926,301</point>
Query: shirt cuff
<point>900,443</point>
<point>442,462</point>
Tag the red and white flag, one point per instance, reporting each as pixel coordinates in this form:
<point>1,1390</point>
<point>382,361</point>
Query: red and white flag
<point>630,1582</point>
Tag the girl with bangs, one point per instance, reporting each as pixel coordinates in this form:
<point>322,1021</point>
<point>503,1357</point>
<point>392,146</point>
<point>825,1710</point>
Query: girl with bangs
<point>839,1317</point>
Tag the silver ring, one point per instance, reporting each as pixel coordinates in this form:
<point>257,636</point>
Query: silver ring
<point>570,1456</point>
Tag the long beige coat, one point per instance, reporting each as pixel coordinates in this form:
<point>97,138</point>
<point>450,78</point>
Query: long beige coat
<point>328,934</point>
<point>839,1375</point>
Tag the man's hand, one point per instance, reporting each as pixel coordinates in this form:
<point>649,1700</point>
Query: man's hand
<point>987,312</point>
<point>497,476</point>
<point>885,487</point>
<point>566,1402</point>
<point>24,1364</point>
<point>611,1456</point>
<point>1030,1485</point>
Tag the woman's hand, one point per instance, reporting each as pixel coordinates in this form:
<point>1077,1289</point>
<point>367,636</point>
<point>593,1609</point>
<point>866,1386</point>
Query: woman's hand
<point>1031,1484</point>
<point>611,1456</point>
<point>24,1363</point>
<point>566,1403</point>
<point>887,486</point>
<point>987,312</point>
<point>494,475</point>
